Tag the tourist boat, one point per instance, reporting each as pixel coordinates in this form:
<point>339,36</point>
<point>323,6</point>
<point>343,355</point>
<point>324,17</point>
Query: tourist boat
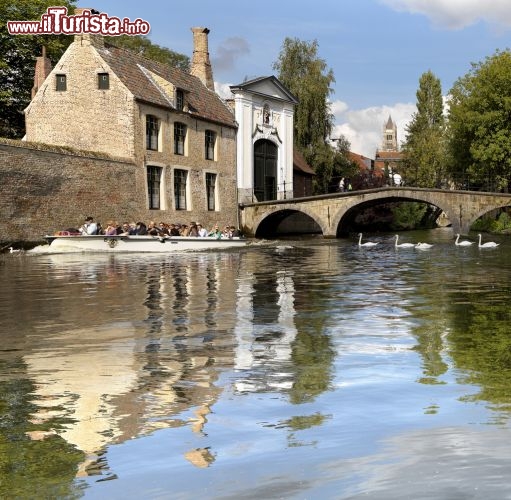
<point>64,243</point>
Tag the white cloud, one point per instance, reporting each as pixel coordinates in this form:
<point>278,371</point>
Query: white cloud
<point>364,127</point>
<point>457,14</point>
<point>338,107</point>
<point>223,90</point>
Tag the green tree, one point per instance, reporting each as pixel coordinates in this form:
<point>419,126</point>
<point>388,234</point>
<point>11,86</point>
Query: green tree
<point>424,148</point>
<point>408,215</point>
<point>330,164</point>
<point>344,166</point>
<point>480,125</point>
<point>141,45</point>
<point>322,156</point>
<point>19,54</point>
<point>306,75</point>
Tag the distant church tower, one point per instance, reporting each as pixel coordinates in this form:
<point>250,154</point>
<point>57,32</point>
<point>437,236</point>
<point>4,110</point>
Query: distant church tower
<point>388,157</point>
<point>389,136</point>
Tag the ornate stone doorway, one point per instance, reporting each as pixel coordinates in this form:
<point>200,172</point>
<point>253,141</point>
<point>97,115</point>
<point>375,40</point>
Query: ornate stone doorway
<point>265,170</point>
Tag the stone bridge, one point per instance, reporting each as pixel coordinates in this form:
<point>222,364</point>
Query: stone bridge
<point>327,212</point>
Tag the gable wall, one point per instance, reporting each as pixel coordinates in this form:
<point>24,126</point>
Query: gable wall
<point>83,116</point>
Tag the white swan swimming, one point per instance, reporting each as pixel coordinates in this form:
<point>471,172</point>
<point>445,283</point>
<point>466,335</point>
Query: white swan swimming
<point>488,244</point>
<point>423,246</point>
<point>462,243</point>
<point>367,243</point>
<point>402,245</point>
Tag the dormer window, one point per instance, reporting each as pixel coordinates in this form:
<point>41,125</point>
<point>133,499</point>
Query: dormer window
<point>180,100</point>
<point>103,81</point>
<point>60,83</point>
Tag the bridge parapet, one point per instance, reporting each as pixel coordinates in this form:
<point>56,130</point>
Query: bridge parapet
<point>462,208</point>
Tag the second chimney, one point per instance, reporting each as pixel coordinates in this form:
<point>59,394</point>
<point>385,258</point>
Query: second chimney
<point>42,70</point>
<point>201,67</point>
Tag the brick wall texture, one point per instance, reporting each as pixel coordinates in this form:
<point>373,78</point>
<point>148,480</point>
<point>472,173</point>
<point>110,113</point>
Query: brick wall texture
<point>44,189</point>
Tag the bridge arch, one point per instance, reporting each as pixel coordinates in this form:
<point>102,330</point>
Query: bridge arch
<point>486,210</point>
<point>328,211</point>
<point>267,224</point>
<point>345,211</point>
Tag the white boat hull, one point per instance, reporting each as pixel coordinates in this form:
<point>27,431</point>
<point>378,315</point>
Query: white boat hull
<point>154,244</point>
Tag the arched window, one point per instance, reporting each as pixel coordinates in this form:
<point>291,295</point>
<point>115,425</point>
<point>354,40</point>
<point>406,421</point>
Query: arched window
<point>265,170</point>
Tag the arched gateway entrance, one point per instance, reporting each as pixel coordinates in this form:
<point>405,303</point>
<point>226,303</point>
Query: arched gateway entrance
<point>265,170</point>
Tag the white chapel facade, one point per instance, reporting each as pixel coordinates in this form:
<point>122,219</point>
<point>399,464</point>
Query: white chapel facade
<point>264,111</point>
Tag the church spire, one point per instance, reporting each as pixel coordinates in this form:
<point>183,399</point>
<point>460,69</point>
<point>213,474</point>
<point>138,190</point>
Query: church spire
<point>389,136</point>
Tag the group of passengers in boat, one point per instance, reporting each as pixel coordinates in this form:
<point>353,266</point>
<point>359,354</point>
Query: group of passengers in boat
<point>162,229</point>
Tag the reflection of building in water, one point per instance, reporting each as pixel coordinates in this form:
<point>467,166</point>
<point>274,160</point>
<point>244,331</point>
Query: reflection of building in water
<point>200,457</point>
<point>94,366</point>
<point>264,331</point>
<point>150,355</point>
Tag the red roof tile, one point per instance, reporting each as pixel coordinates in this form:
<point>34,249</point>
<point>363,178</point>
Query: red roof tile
<point>300,164</point>
<point>202,102</point>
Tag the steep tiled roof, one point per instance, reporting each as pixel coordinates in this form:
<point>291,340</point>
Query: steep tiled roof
<point>363,162</point>
<point>129,67</point>
<point>300,164</point>
<point>388,155</point>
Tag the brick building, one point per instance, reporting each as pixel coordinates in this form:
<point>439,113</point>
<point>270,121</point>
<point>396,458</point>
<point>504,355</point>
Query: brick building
<point>171,124</point>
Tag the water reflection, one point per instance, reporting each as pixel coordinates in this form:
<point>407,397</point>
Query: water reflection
<point>265,331</point>
<point>135,345</point>
<point>243,362</point>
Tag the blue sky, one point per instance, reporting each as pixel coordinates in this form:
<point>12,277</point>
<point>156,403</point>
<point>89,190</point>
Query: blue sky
<point>377,49</point>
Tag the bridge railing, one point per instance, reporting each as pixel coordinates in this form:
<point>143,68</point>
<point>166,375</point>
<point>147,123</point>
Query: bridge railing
<point>398,190</point>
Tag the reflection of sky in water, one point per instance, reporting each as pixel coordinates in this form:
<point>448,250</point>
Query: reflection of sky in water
<point>188,375</point>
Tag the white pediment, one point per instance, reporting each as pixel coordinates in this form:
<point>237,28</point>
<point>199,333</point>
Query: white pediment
<point>269,87</point>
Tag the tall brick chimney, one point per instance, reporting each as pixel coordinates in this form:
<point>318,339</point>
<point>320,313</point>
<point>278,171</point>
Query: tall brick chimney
<point>87,38</point>
<point>201,67</point>
<point>42,70</point>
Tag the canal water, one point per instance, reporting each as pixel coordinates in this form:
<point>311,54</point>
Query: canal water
<point>287,370</point>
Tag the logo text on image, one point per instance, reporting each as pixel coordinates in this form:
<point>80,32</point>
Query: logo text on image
<point>56,22</point>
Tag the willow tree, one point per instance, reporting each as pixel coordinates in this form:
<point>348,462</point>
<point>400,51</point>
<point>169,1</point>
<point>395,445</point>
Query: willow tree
<point>424,147</point>
<point>307,76</point>
<point>480,125</point>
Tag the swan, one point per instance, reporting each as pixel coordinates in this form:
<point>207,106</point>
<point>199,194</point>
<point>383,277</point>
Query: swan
<point>367,243</point>
<point>488,244</point>
<point>402,245</point>
<point>423,246</point>
<point>14,250</point>
<point>462,243</point>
